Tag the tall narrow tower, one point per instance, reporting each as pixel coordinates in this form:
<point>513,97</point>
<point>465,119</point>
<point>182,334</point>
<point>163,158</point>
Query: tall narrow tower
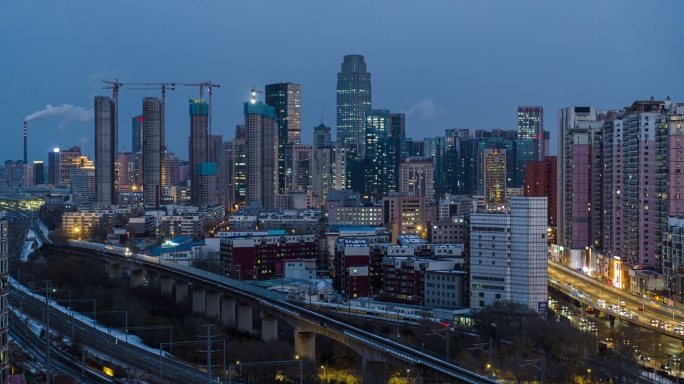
<point>202,172</point>
<point>353,102</point>
<point>105,150</point>
<point>531,127</point>
<point>262,153</point>
<point>152,155</point>
<point>285,98</point>
<point>25,146</point>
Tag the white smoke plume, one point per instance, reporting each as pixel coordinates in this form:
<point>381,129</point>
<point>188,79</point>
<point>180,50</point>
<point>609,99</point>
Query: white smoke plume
<point>66,112</point>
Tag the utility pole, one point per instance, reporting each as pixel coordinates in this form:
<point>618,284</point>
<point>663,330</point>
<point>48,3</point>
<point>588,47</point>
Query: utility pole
<point>47,332</point>
<point>208,353</point>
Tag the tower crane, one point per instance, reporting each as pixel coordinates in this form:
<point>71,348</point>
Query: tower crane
<point>156,86</point>
<point>114,86</point>
<point>210,86</point>
<point>254,93</point>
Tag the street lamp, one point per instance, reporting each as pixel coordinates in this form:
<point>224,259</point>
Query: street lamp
<point>324,375</point>
<point>300,368</point>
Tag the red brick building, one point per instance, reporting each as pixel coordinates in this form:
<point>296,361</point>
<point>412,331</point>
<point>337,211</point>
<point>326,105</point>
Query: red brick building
<point>541,180</point>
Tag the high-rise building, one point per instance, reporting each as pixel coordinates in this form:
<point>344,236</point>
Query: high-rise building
<point>531,127</point>
<point>125,171</point>
<point>299,164</point>
<point>322,136</point>
<point>38,172</point>
<point>136,130</point>
<point>237,157</point>
<point>286,99</point>
<point>105,151</point>
<point>59,162</point>
<point>152,152</point>
<point>578,128</point>
<point>353,102</point>
<point>508,254</point>
<point>137,143</point>
<point>416,177</point>
<point>262,153</point>
<point>540,181</point>
<point>4,294</point>
<point>373,169</point>
<point>202,171</point>
<point>330,170</point>
<point>494,175</point>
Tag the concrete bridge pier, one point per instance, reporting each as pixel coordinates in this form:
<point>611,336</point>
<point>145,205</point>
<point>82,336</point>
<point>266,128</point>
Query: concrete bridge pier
<point>166,285</point>
<point>199,304</point>
<point>269,326</point>
<point>153,281</point>
<point>213,304</point>
<point>227,311</point>
<point>244,320</point>
<point>181,292</point>
<point>137,278</point>
<point>375,372</point>
<point>611,320</point>
<point>114,271</point>
<point>305,346</point>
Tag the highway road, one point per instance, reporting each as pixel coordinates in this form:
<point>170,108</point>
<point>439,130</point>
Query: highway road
<point>588,290</point>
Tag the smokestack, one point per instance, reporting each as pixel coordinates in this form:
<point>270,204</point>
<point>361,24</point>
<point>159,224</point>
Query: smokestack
<point>25,146</point>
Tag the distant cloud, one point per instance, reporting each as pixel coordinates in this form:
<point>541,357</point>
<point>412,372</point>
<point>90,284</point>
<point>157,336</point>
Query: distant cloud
<point>110,75</point>
<point>423,109</point>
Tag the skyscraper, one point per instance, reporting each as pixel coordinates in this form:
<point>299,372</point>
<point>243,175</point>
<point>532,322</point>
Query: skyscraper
<point>531,127</point>
<point>262,153</point>
<point>202,172</point>
<point>285,98</point>
<point>105,151</point>
<point>152,155</point>
<point>353,102</point>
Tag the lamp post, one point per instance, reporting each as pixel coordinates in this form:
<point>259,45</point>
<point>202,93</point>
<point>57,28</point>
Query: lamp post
<point>324,375</point>
<point>301,376</point>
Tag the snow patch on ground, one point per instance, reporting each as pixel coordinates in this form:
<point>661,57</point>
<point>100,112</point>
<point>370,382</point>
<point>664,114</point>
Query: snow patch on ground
<point>27,249</point>
<point>117,334</point>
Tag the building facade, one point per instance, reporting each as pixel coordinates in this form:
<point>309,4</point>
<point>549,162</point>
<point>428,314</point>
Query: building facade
<point>508,254</point>
<point>152,151</point>
<point>105,150</point>
<point>262,154</point>
<point>531,127</point>
<point>353,102</point>
<point>286,100</point>
<point>540,181</point>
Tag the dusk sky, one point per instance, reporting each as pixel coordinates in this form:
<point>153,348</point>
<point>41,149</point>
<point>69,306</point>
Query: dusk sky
<point>446,64</point>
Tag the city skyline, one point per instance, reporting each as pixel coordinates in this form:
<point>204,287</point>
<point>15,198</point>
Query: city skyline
<point>444,65</point>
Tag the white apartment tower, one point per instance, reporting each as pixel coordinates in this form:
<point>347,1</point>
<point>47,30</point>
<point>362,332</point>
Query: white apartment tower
<point>508,254</point>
